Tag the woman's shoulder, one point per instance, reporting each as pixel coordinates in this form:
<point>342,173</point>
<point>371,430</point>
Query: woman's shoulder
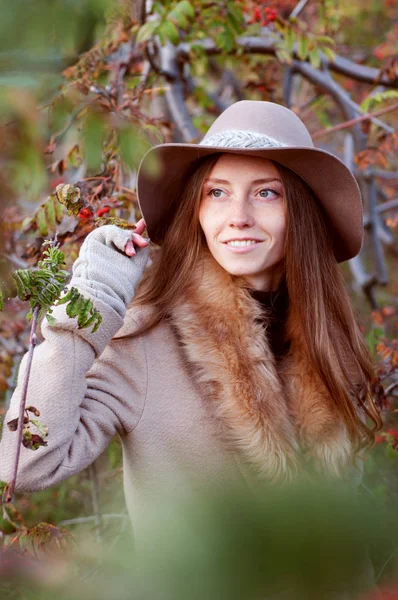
<point>136,321</point>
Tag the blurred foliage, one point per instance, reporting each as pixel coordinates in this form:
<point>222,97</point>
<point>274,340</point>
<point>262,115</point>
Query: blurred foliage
<point>307,543</point>
<point>79,107</point>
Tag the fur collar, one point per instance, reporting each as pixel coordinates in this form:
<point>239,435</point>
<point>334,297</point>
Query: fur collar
<point>278,419</point>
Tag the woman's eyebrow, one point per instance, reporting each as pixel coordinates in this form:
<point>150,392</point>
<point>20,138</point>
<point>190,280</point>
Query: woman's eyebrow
<point>262,180</point>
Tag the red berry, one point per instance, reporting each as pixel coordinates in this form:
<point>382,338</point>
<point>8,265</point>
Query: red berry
<point>257,14</point>
<point>379,439</point>
<point>103,211</point>
<point>393,432</point>
<point>85,213</point>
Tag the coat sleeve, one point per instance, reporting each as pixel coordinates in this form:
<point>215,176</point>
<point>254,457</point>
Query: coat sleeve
<point>83,397</point>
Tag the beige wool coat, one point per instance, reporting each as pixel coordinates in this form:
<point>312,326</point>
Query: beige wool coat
<point>196,400</point>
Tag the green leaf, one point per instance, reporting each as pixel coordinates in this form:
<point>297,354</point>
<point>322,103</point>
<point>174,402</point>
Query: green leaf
<point>43,429</point>
<point>51,320</point>
<point>168,31</point>
<point>70,293</point>
<point>178,18</point>
<point>23,279</point>
<point>302,49</point>
<point>74,157</point>
<point>84,311</point>
<point>375,99</point>
<point>95,319</point>
<point>233,27</point>
<point>315,57</point>
<point>186,9</point>
<point>373,338</point>
<point>290,39</point>
<point>391,453</point>
<point>325,39</point>
<point>236,14</point>
<point>133,146</point>
<point>50,214</point>
<point>74,306</point>
<point>146,31</point>
<point>225,40</point>
<point>94,133</point>
<point>41,221</point>
<point>329,53</point>
<point>283,55</point>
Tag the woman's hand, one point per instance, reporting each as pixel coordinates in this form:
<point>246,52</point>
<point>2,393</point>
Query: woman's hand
<point>136,239</point>
<point>111,263</point>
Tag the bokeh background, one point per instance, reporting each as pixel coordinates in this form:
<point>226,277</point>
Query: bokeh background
<point>86,87</point>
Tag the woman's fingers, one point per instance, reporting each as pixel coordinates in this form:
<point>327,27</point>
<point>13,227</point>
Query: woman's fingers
<point>129,248</point>
<point>140,227</point>
<point>139,240</point>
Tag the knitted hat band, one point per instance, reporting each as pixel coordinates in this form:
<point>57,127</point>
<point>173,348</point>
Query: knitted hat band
<point>241,139</point>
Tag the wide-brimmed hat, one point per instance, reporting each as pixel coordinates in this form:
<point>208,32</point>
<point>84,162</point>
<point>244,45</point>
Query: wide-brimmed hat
<point>255,128</point>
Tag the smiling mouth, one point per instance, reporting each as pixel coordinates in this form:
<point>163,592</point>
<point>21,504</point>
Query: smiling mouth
<point>241,243</point>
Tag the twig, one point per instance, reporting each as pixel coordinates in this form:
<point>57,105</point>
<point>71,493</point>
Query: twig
<point>32,344</point>
<point>391,387</point>
<point>387,206</point>
<point>15,260</point>
<point>351,122</point>
<point>385,564</point>
<point>175,95</point>
<point>91,518</point>
<point>298,8</point>
<point>95,501</point>
<point>374,221</point>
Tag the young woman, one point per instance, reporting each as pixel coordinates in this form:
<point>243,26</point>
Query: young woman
<point>239,358</point>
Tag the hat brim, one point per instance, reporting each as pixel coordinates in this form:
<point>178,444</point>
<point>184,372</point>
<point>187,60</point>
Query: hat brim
<point>332,182</point>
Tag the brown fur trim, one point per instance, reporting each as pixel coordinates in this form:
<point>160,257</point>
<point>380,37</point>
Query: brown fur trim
<point>274,418</point>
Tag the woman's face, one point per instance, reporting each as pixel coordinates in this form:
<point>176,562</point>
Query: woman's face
<point>243,218</point>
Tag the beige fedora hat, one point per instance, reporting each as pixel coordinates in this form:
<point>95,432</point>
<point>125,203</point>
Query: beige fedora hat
<point>256,128</point>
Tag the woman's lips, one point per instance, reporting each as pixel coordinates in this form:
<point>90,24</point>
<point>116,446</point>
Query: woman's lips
<point>242,249</point>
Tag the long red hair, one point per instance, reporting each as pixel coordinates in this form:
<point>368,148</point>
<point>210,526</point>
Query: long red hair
<point>316,288</point>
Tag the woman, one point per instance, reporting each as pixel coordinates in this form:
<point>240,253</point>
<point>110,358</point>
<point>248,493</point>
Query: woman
<point>239,358</point>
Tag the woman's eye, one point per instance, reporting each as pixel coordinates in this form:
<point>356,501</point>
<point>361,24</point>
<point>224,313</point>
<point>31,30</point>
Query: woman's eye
<point>268,193</point>
<point>215,195</point>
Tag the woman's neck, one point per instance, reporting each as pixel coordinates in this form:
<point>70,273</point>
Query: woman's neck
<point>269,280</point>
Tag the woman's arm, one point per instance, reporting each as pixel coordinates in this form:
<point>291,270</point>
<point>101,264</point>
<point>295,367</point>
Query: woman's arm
<point>75,382</point>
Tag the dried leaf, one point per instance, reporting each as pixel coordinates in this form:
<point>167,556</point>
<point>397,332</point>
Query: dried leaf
<point>13,424</point>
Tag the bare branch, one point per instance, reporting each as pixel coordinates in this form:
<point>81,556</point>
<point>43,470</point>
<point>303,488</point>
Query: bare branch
<point>95,501</point>
<point>174,93</point>
<point>266,45</point>
<point>32,344</point>
<point>298,8</point>
<point>91,518</point>
<point>374,223</point>
<point>351,122</point>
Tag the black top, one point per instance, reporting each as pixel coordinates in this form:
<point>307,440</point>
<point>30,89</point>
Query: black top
<point>276,305</point>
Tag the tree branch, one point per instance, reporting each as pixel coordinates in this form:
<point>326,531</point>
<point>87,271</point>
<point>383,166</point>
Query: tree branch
<point>266,45</point>
<point>298,8</point>
<point>32,344</point>
<point>351,122</point>
<point>174,93</point>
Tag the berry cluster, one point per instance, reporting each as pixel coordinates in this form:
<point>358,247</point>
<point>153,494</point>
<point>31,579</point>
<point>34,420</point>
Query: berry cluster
<point>391,435</point>
<point>86,213</point>
<point>265,16</point>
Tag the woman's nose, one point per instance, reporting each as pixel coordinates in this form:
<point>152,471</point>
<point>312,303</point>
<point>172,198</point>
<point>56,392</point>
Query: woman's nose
<point>240,215</point>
